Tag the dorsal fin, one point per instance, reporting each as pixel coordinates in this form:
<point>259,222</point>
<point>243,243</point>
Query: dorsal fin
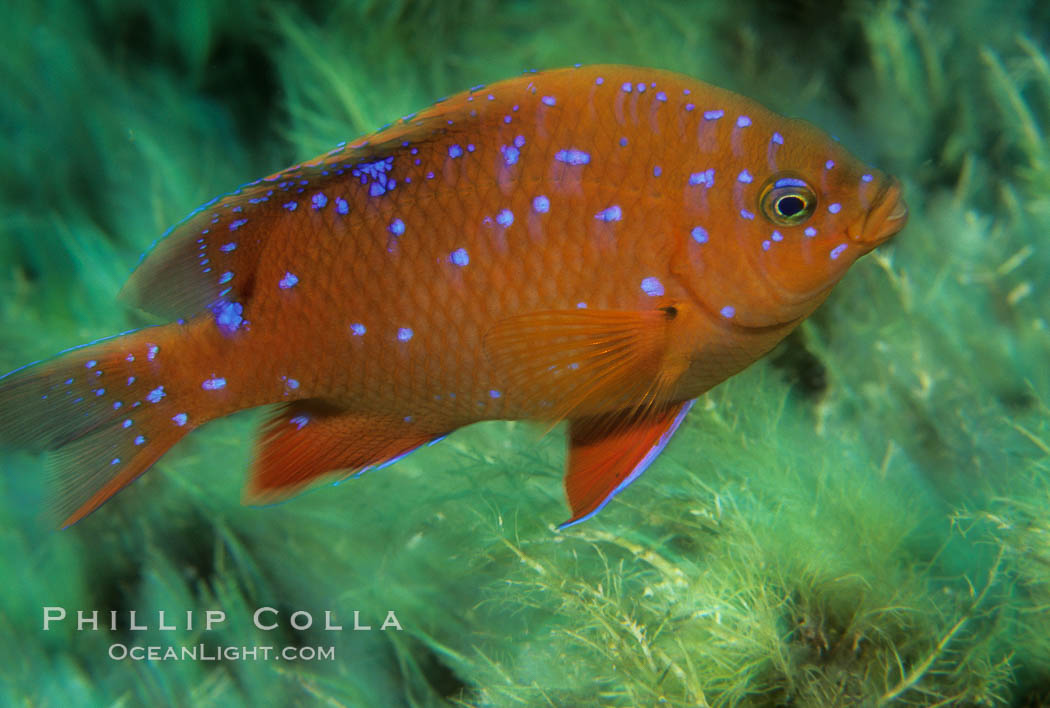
<point>210,256</point>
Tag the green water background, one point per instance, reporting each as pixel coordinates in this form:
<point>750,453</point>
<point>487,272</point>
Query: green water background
<point>860,519</point>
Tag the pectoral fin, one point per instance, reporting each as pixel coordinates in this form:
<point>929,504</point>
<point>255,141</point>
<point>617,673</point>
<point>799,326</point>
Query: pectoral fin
<point>574,363</point>
<point>604,458</point>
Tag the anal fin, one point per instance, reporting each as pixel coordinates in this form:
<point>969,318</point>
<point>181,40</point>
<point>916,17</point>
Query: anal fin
<point>605,457</point>
<point>310,439</point>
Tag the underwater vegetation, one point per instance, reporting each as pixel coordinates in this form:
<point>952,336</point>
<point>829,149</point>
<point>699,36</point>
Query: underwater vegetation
<point>860,519</point>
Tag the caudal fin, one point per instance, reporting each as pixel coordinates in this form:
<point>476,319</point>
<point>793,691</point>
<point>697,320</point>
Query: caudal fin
<point>101,413</point>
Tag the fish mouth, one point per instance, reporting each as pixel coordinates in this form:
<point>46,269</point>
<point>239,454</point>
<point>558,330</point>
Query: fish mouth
<point>887,216</point>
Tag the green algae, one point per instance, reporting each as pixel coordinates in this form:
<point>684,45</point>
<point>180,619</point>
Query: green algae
<point>858,520</point>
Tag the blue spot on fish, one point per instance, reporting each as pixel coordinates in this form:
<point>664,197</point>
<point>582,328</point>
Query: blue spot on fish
<point>140,440</point>
<point>714,115</point>
<point>358,329</point>
<point>373,170</point>
<point>404,334</point>
<point>155,395</point>
<point>743,121</point>
<point>728,312</point>
<point>288,281</point>
<point>613,213</point>
<point>494,394</point>
<point>837,251</point>
<point>234,225</point>
<point>510,154</point>
<point>225,278</point>
<point>541,205</point>
<point>299,421</point>
<point>652,287</point>
<point>460,257</point>
<point>318,201</point>
<point>744,177</point>
<point>706,178</point>
<point>291,206</point>
<point>548,100</point>
<point>397,227</point>
<point>699,234</point>
<point>214,384</point>
<point>180,419</point>
<point>455,151</point>
<point>341,206</point>
<point>572,156</point>
<point>228,315</point>
<point>505,217</point>
<point>91,364</point>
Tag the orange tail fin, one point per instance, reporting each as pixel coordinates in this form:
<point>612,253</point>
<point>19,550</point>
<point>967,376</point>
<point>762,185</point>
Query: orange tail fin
<point>101,411</point>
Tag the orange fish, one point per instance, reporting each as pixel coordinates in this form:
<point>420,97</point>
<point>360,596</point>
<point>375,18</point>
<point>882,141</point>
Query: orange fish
<point>599,245</point>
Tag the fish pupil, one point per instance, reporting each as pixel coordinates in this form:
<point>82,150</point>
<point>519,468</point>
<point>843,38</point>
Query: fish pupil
<point>671,311</point>
<point>790,205</point>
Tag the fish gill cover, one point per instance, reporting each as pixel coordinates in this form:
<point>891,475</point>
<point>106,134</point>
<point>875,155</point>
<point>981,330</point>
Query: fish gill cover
<point>859,519</point>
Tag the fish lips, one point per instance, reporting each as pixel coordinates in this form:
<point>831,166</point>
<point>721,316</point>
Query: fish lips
<point>887,216</point>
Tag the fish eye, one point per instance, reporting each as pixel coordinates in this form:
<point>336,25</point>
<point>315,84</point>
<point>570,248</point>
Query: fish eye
<point>787,200</point>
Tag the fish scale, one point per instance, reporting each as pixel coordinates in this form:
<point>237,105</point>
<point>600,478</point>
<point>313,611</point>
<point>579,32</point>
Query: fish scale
<point>598,245</point>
